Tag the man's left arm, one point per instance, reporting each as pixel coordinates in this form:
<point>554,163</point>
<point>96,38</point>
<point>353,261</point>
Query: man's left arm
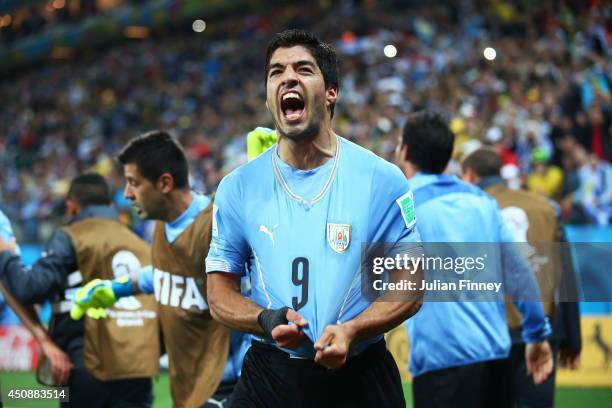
<point>381,316</point>
<point>393,219</point>
<point>522,287</point>
<point>99,294</point>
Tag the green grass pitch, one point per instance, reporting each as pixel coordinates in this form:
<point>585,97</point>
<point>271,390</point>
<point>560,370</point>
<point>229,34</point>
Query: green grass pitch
<point>565,397</point>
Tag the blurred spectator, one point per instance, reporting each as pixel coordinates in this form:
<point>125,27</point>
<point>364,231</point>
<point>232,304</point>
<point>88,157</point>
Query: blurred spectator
<point>594,195</point>
<point>546,179</point>
<point>600,132</point>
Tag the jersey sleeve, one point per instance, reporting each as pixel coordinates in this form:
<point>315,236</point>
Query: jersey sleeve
<point>145,279</point>
<point>6,231</point>
<point>392,213</point>
<point>228,247</point>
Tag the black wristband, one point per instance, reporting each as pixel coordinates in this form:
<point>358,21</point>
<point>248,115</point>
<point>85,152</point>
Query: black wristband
<point>268,319</point>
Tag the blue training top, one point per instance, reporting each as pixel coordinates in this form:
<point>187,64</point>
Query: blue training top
<point>447,334</point>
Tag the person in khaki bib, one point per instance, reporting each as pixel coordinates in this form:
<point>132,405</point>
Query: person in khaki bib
<point>532,220</point>
<point>113,359</point>
<point>198,347</point>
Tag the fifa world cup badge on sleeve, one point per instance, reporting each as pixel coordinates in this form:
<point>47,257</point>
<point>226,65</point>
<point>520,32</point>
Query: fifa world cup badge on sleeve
<point>406,204</point>
<point>339,237</point>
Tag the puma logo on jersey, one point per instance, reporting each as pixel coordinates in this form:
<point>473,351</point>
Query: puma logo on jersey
<point>177,291</point>
<point>265,230</point>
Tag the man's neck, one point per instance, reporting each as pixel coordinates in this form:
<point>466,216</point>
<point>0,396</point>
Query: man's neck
<point>178,202</point>
<point>409,169</point>
<point>308,154</point>
<point>490,181</point>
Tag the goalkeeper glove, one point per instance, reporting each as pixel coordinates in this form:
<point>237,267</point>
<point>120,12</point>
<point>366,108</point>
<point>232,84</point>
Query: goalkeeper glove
<point>99,294</point>
<point>259,140</point>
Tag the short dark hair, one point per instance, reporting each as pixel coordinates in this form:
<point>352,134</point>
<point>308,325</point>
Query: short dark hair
<point>323,53</point>
<point>89,189</point>
<point>429,140</point>
<point>156,153</point>
<point>485,162</point>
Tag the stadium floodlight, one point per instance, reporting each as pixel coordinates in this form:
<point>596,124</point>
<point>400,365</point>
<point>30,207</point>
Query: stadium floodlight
<point>199,26</point>
<point>489,53</point>
<point>390,51</point>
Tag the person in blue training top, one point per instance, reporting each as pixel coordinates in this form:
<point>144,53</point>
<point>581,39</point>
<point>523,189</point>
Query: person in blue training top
<point>303,209</point>
<point>451,342</point>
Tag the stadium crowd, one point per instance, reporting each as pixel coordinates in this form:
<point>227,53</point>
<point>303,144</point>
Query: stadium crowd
<point>545,101</point>
<point>35,16</point>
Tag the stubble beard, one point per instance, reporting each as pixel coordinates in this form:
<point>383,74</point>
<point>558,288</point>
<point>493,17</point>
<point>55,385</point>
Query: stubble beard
<point>308,133</point>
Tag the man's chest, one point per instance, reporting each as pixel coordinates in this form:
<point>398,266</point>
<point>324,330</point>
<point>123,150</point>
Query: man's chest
<point>284,229</point>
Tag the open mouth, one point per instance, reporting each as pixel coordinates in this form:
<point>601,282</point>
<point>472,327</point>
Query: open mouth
<point>292,106</point>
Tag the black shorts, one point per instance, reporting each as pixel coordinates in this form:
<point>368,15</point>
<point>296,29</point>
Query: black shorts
<point>220,397</point>
<point>500,383</point>
<point>455,387</point>
<point>514,387</point>
<point>270,378</point>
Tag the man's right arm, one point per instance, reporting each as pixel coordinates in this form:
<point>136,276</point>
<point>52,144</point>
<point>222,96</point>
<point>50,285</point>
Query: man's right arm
<point>225,262</point>
<point>59,360</point>
<point>225,266</point>
<point>46,277</point>
<point>229,306</point>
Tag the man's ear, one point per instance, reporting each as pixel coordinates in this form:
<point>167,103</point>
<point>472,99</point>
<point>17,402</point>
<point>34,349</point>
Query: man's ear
<point>72,208</point>
<point>469,175</point>
<point>165,183</point>
<point>404,153</point>
<point>331,95</point>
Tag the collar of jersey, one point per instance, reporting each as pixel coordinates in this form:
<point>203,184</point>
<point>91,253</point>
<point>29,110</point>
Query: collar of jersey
<point>422,179</point>
<point>325,188</point>
<point>175,228</point>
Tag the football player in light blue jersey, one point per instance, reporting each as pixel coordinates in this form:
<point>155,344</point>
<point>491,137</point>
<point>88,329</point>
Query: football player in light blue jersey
<point>303,209</point>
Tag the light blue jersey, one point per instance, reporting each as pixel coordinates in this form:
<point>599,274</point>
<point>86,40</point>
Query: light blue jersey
<point>305,230</point>
<point>6,231</point>
<point>448,334</point>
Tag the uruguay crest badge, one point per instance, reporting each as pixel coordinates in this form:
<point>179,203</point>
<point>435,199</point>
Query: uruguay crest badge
<point>339,237</point>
